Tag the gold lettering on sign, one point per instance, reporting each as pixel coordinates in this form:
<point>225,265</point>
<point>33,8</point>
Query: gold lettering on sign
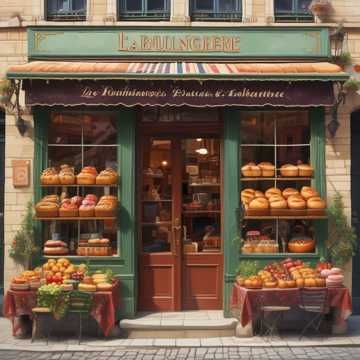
<point>175,43</point>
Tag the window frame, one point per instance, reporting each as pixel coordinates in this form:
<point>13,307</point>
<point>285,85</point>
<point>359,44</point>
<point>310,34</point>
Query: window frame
<point>317,159</point>
<point>68,16</point>
<point>144,14</point>
<point>294,15</point>
<point>215,14</point>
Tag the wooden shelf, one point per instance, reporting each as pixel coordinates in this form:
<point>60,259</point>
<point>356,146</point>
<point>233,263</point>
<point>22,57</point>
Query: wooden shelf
<point>299,178</point>
<point>285,217</point>
<point>154,201</point>
<point>163,223</point>
<point>206,184</point>
<point>78,218</point>
<point>195,212</point>
<point>78,185</point>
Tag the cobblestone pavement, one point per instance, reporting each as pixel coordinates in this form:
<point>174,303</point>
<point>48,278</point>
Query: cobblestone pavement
<point>285,353</point>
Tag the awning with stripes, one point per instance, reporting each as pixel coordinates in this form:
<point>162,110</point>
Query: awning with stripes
<point>315,71</point>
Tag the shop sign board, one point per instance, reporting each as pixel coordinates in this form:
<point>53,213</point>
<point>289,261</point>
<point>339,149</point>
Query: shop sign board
<point>179,43</point>
<point>191,93</point>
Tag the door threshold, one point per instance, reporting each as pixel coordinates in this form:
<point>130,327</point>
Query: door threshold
<point>179,324</point>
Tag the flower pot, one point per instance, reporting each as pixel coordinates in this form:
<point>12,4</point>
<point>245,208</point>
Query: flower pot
<point>320,8</point>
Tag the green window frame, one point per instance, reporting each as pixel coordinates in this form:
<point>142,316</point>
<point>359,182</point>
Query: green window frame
<point>292,11</point>
<point>65,10</point>
<point>123,261</point>
<point>214,10</point>
<point>144,10</point>
<point>232,189</point>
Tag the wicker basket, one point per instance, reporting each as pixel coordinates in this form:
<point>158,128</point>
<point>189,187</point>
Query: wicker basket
<point>306,172</point>
<point>289,172</point>
<point>50,180</point>
<point>67,180</point>
<point>105,212</point>
<point>87,212</point>
<point>47,213</point>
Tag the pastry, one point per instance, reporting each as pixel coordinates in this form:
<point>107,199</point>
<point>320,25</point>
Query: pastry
<point>289,191</point>
<point>107,177</point>
<point>68,209</point>
<point>247,195</point>
<point>307,192</point>
<point>267,169</point>
<point>251,170</point>
<point>87,287</point>
<point>277,202</point>
<point>259,193</point>
<point>47,209</point>
<point>316,203</point>
<point>85,178</point>
<point>86,210</point>
<point>76,200</point>
<point>55,250</point>
<point>305,170</point>
<point>296,202</point>
<point>272,191</point>
<point>103,286</point>
<point>105,210</point>
<point>51,198</point>
<point>66,175</point>
<point>259,203</point>
<point>90,170</point>
<point>289,170</point>
<point>55,243</point>
<point>91,197</point>
<point>49,176</point>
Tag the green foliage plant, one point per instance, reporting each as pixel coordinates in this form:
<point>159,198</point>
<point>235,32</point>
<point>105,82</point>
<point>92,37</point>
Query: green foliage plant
<point>248,268</point>
<point>342,239</point>
<point>23,247</point>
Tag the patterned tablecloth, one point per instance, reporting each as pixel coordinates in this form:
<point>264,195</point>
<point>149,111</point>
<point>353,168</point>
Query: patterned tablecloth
<point>105,303</point>
<point>247,302</point>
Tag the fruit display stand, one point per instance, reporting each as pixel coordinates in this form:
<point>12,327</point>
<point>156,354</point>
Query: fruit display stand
<point>280,284</point>
<point>105,304</point>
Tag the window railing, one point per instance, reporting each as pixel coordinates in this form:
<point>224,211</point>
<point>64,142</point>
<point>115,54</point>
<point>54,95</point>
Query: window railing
<point>292,16</point>
<point>65,11</point>
<point>143,13</point>
<point>216,16</point>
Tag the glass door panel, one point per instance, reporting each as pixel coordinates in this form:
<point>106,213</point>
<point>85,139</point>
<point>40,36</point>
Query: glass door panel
<point>156,196</point>
<point>201,207</point>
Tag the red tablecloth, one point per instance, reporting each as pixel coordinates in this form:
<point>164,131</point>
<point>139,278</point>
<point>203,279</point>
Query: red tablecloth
<point>17,303</point>
<point>248,301</point>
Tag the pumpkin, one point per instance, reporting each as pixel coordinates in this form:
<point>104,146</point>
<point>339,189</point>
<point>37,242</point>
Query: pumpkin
<point>301,246</point>
<point>282,284</point>
<point>300,283</point>
<point>290,283</point>
<point>320,282</point>
<point>310,282</point>
<point>270,284</point>
<point>247,283</point>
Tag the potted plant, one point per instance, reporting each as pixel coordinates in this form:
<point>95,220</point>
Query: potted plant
<point>342,239</point>
<point>343,59</point>
<point>6,91</point>
<point>320,8</point>
<point>23,246</point>
<point>351,85</point>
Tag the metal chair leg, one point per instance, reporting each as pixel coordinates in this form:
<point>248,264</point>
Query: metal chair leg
<point>310,323</point>
<point>34,328</point>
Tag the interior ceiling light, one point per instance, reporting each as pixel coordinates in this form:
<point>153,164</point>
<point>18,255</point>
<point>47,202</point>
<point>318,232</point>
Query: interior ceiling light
<point>199,139</point>
<point>202,151</point>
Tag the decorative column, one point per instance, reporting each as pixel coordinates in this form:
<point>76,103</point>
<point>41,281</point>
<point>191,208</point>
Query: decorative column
<point>269,11</point>
<point>111,11</point>
<point>248,13</point>
<point>180,11</point>
<point>38,10</point>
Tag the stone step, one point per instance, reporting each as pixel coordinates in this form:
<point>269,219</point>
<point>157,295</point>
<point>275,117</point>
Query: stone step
<point>201,324</point>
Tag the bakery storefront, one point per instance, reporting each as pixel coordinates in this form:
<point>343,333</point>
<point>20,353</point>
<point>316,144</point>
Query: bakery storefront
<point>158,139</point>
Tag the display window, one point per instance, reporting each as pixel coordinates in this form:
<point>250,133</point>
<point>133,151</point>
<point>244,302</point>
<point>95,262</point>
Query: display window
<point>79,187</point>
<point>278,201</point>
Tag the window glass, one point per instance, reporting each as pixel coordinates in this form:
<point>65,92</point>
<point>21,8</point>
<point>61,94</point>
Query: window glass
<point>303,5</point>
<point>256,129</point>
<point>156,5</point>
<point>204,4</point>
<point>283,5</point>
<point>133,5</point>
<point>81,139</point>
<point>227,5</point>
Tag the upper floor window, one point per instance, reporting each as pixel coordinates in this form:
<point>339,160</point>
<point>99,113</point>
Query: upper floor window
<point>216,10</point>
<point>293,10</point>
<point>144,9</point>
<point>66,10</point>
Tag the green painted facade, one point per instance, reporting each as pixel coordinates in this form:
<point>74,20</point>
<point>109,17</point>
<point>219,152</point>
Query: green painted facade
<point>177,43</point>
<point>103,43</point>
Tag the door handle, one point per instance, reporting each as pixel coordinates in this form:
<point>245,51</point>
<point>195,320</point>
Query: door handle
<point>177,229</point>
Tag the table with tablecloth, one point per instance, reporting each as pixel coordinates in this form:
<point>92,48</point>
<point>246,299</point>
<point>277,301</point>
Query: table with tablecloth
<point>247,302</point>
<point>105,303</point>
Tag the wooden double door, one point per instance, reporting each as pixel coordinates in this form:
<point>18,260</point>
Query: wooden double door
<point>180,222</point>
